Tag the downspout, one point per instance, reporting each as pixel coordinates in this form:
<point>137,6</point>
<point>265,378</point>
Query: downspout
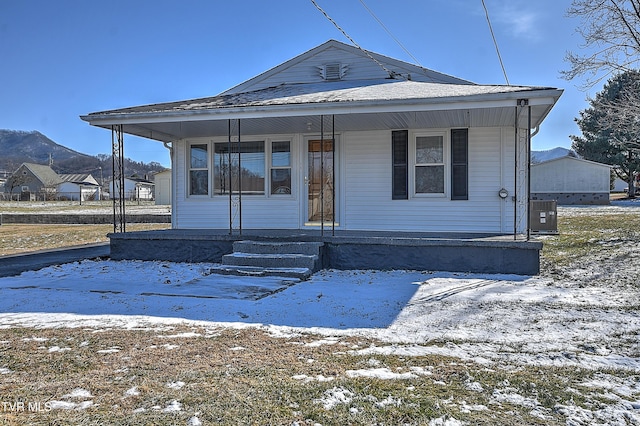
<point>333,174</point>
<point>322,175</point>
<point>535,131</point>
<point>239,181</point>
<point>230,181</point>
<point>515,177</point>
<point>529,174</point>
<point>169,146</point>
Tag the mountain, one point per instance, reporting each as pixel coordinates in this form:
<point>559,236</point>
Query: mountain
<point>551,154</point>
<point>17,147</point>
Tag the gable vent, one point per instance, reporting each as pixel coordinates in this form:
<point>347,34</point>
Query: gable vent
<point>333,72</point>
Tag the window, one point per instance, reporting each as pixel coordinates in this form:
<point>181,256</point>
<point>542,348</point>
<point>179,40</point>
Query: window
<point>250,175</point>
<point>459,164</point>
<point>280,167</point>
<point>198,170</point>
<point>400,156</point>
<point>429,166</point>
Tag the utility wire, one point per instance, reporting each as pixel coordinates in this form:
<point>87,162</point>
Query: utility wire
<point>392,74</point>
<point>495,43</point>
<point>389,32</point>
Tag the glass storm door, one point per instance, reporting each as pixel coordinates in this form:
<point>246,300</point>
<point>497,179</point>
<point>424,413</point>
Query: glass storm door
<point>320,182</point>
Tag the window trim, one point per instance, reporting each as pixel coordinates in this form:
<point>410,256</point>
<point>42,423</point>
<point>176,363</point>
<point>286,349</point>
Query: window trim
<point>269,166</point>
<point>413,164</point>
<point>252,140</point>
<point>207,168</point>
<point>267,142</point>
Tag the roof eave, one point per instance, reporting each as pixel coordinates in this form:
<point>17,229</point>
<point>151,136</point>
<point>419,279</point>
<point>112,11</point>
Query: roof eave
<point>536,97</point>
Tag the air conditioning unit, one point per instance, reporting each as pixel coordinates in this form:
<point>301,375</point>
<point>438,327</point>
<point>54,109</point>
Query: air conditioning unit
<point>543,216</point>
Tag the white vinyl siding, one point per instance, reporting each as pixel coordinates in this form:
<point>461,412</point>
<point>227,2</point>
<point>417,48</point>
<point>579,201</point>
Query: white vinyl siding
<point>570,175</point>
<point>368,189</point>
<point>258,212</point>
<point>309,69</point>
<point>365,188</point>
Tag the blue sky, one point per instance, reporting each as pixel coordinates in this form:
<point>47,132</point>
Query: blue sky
<point>62,59</point>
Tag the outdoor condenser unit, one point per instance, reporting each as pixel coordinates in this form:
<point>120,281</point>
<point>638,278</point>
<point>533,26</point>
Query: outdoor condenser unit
<point>543,216</point>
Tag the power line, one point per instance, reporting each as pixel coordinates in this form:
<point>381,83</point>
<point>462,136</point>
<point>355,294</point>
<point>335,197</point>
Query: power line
<point>495,43</point>
<point>392,74</point>
<point>389,32</point>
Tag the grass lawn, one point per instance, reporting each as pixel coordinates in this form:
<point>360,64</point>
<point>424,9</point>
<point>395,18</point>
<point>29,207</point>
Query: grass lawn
<point>244,377</point>
<point>220,375</point>
<point>25,238</point>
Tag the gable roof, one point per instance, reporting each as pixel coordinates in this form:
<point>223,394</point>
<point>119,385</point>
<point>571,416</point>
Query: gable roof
<point>85,178</point>
<point>289,97</point>
<point>300,69</point>
<point>570,158</point>
<point>44,174</point>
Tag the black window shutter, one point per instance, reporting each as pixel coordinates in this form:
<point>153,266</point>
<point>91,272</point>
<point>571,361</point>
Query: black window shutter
<point>400,161</point>
<point>459,164</point>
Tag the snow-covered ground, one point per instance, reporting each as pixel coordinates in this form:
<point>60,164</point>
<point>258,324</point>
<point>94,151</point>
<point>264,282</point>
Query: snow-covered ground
<point>498,320</point>
<point>74,207</point>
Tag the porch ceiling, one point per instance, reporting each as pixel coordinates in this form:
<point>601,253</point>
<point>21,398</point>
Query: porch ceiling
<point>171,129</point>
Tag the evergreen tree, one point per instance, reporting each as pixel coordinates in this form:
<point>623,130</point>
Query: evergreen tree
<point>611,127</point>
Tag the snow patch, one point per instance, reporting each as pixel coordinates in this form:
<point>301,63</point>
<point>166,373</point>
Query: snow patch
<point>78,393</point>
<point>335,396</point>
<point>176,385</point>
<point>380,373</point>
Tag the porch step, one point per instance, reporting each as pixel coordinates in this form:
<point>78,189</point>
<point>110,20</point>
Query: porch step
<point>255,271</point>
<point>273,247</point>
<point>282,260</point>
<point>272,258</point>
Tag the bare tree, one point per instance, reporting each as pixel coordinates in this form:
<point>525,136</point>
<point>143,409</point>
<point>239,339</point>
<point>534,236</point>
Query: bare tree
<point>611,33</point>
<point>16,181</point>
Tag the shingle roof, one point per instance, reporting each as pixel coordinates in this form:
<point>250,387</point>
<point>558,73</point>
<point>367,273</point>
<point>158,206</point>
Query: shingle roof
<point>45,174</point>
<point>78,178</point>
<point>369,91</point>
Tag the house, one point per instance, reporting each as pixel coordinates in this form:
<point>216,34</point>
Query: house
<point>135,188</point>
<point>162,181</point>
<point>33,181</point>
<point>570,180</point>
<point>343,140</point>
<point>78,187</point>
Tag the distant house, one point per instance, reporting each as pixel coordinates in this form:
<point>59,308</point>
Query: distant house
<point>134,189</point>
<point>570,180</point>
<point>33,181</point>
<point>162,181</point>
<point>78,187</point>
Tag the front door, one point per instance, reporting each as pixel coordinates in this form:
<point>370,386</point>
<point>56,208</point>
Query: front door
<point>320,182</point>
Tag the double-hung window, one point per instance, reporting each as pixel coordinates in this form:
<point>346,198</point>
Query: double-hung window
<point>280,167</point>
<point>429,164</point>
<point>198,169</point>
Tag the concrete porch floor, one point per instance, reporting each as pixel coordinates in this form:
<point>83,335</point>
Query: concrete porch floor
<point>477,253</point>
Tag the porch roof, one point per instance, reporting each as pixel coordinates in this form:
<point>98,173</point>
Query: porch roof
<point>357,105</point>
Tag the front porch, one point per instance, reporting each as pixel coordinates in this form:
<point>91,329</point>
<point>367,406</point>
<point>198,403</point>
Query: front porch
<point>342,249</point>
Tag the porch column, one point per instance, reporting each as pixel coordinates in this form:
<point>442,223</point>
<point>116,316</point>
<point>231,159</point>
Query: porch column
<point>522,170</point>
<point>333,174</point>
<point>117,182</point>
<point>322,175</point>
<point>238,201</point>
